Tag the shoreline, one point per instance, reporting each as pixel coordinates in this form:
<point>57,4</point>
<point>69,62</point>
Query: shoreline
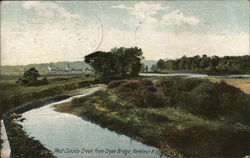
<point>15,131</point>
<point>105,114</point>
<point>22,145</point>
<point>168,151</point>
<point>67,108</point>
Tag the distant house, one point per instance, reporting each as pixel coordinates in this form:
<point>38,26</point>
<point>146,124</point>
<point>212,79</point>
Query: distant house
<point>52,70</point>
<point>67,70</point>
<point>19,71</point>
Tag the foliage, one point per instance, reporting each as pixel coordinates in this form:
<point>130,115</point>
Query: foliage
<point>178,125</point>
<point>30,75</point>
<point>144,68</point>
<point>118,63</point>
<point>13,95</point>
<point>142,93</point>
<point>210,142</point>
<point>205,98</point>
<point>205,64</point>
<point>29,78</point>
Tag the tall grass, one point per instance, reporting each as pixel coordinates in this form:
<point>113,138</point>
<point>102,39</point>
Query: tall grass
<point>196,117</point>
<point>13,95</point>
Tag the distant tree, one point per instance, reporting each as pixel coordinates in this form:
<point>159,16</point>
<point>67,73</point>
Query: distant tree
<point>29,78</point>
<point>118,63</point>
<point>29,75</point>
<point>154,68</point>
<point>214,64</point>
<point>146,69</point>
<point>160,64</point>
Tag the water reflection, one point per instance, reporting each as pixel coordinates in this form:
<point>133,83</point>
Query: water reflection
<point>69,136</point>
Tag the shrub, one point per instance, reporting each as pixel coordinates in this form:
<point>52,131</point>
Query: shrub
<point>142,93</point>
<point>216,99</point>
<point>29,78</point>
<point>78,101</point>
<point>209,142</point>
<point>206,98</point>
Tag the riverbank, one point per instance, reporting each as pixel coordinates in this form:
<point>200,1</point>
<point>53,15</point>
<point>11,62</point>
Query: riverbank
<point>241,83</point>
<point>16,133</point>
<point>170,124</point>
<point>14,95</point>
<point>18,99</point>
<point>23,146</point>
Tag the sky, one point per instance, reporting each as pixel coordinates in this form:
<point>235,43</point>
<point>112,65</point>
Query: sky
<point>51,31</point>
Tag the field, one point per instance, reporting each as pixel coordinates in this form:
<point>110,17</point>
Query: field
<point>158,111</point>
<point>13,94</point>
<point>243,84</point>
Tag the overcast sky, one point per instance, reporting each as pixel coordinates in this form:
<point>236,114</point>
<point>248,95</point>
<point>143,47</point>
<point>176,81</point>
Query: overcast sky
<point>42,32</point>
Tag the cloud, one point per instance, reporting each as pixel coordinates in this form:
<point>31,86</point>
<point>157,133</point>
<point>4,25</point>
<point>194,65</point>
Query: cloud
<point>177,18</point>
<point>48,9</point>
<point>5,2</point>
<point>174,45</point>
<point>70,42</point>
<point>142,9</point>
<point>46,42</point>
<point>146,11</point>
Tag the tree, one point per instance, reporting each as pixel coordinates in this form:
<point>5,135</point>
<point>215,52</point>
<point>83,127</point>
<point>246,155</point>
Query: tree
<point>117,63</point>
<point>160,64</point>
<point>154,68</point>
<point>214,64</point>
<point>146,69</point>
<point>29,75</point>
<point>29,78</point>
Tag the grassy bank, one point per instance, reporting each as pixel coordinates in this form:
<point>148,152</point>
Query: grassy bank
<point>184,117</point>
<point>13,94</point>
<point>23,146</point>
<point>241,83</point>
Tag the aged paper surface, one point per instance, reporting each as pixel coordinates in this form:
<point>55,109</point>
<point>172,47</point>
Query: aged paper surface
<point>125,79</point>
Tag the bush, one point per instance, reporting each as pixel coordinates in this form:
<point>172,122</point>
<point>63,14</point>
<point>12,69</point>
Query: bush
<point>29,78</point>
<point>142,93</point>
<point>206,98</point>
<point>78,101</point>
<point>216,99</point>
<point>209,142</point>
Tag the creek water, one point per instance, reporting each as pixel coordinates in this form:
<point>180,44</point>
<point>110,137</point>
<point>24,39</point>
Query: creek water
<point>69,136</point>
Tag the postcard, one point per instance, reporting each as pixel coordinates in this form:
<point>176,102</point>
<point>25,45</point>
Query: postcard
<point>125,79</point>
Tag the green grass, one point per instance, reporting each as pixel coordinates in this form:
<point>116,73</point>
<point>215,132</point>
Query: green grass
<point>172,128</point>
<point>13,94</point>
<point>242,83</point>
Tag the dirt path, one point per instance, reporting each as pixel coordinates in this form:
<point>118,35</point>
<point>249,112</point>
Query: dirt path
<point>64,107</point>
<point>85,90</point>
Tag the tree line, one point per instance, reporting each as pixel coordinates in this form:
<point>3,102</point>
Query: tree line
<point>205,64</point>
